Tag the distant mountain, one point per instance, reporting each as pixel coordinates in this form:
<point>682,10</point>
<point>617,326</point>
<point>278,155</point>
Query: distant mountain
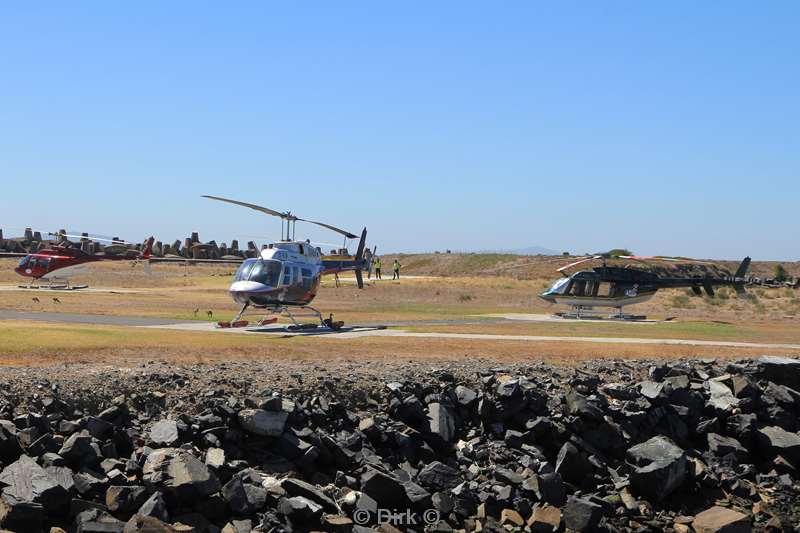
<point>530,250</point>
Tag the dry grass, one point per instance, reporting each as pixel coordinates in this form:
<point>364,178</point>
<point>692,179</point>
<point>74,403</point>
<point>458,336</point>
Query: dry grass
<point>175,292</point>
<point>41,344</point>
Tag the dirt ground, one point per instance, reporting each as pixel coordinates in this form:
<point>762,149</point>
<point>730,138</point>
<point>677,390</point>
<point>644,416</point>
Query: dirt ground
<point>176,292</point>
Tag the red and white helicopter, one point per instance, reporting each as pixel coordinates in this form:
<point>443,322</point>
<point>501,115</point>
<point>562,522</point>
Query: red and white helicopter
<point>57,263</point>
<point>286,275</point>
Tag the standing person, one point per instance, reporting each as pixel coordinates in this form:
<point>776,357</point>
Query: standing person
<point>396,269</point>
<point>377,264</point>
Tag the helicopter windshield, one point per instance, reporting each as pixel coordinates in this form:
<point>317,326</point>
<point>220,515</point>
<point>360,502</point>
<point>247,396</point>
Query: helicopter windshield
<point>267,272</point>
<point>559,287</point>
<point>244,270</point>
<point>24,261</point>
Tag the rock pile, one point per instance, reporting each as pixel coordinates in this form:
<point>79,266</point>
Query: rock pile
<point>682,446</point>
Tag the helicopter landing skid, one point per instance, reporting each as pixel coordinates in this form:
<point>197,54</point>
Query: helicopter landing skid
<point>580,313</point>
<point>270,318</point>
<point>619,315</point>
<point>54,285</point>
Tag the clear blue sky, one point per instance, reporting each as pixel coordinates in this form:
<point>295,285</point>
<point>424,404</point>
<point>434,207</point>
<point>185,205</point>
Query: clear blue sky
<point>667,128</point>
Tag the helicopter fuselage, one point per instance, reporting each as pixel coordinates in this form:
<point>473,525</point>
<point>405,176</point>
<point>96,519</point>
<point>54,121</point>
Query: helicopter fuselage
<point>286,273</point>
<point>603,287</point>
<point>612,286</point>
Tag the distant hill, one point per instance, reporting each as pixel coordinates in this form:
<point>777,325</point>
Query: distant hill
<point>527,267</point>
<point>530,250</point>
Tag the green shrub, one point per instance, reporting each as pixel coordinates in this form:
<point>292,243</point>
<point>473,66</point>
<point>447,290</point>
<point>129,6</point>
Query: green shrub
<point>682,301</point>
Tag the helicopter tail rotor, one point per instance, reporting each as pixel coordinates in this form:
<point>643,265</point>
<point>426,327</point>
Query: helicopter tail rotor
<point>360,266</point>
<point>148,248</point>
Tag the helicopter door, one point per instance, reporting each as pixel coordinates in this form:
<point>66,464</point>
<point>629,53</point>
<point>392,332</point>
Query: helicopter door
<point>308,278</point>
<point>287,275</point>
<point>604,289</point>
<point>579,287</point>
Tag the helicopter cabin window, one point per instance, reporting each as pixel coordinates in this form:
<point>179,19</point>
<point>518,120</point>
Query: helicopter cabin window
<point>287,275</point>
<point>604,289</point>
<point>578,288</point>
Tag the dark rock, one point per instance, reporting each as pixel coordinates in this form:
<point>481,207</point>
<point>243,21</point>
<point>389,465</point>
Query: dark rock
<point>99,428</point>
<point>548,488</point>
<point>774,440</point>
<point>438,476</point>
<point>417,496</point>
<point>580,514</point>
<point>299,509</point>
<point>722,446</point>
<point>182,474</point>
<point>387,490</point>
<point>781,370</point>
<point>125,499</point>
<point>155,507</point>
<point>245,493</point>
<point>264,423</point>
<point>88,482</point>
<point>297,487</point>
<point>660,467</point>
<point>578,405</point>
<point>16,515</point>
<point>27,482</point>
<point>78,449</point>
<point>572,464</point>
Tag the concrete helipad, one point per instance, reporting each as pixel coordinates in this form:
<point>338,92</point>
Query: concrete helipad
<point>47,290</point>
<point>278,330</point>
<point>355,332</point>
<point>372,330</point>
<point>541,317</point>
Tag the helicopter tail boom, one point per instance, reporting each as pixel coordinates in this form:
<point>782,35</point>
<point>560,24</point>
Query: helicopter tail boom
<point>357,264</point>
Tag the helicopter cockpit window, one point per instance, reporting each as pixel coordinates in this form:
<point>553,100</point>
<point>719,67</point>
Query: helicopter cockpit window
<point>266,272</point>
<point>24,261</point>
<point>559,287</point>
<point>244,270</point>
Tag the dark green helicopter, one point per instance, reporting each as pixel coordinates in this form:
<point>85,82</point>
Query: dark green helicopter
<point>618,286</point>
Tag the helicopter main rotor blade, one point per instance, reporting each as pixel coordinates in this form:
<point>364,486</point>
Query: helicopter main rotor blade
<point>332,228</point>
<point>266,210</point>
<point>285,216</point>
<point>89,237</point>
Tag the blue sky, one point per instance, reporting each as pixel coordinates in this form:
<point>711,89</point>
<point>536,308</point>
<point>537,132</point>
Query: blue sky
<point>667,128</point>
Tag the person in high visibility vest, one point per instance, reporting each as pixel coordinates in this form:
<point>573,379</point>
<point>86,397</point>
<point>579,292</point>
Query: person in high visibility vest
<point>396,269</point>
<point>377,264</point>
